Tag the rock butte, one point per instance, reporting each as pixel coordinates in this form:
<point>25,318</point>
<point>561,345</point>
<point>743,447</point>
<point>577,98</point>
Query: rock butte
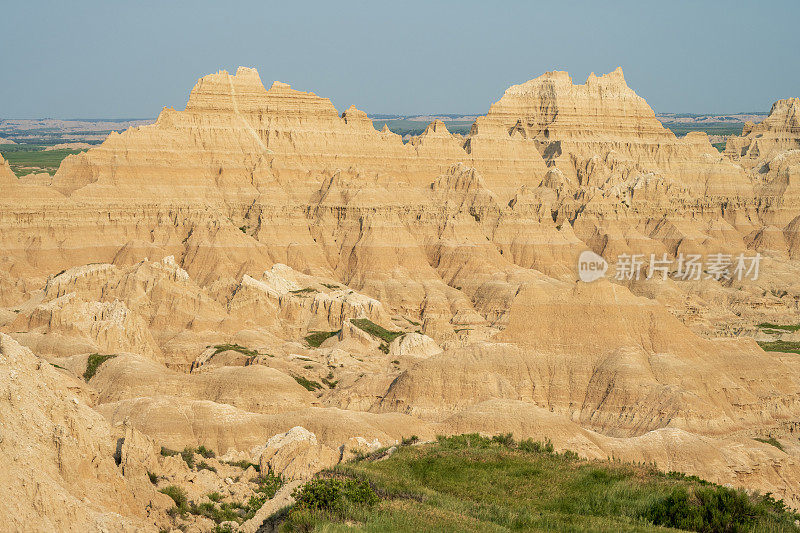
<point>203,249</point>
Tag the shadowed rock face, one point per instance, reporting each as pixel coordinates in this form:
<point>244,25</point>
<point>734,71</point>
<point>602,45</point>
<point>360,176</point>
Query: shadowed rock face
<point>258,262</point>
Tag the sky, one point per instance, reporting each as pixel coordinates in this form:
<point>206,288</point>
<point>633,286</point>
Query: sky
<point>114,59</point>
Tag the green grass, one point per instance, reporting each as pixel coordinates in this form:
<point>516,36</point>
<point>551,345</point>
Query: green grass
<point>93,363</point>
<point>711,128</point>
<point>307,383</point>
<point>473,483</point>
<point>783,327</point>
<point>29,159</point>
<point>244,465</point>
<point>219,348</point>
<point>771,440</point>
<point>780,346</point>
<point>301,292</point>
<point>719,146</point>
<point>315,338</point>
<point>375,330</point>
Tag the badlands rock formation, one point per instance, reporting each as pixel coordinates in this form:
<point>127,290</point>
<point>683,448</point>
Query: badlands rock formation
<point>287,286</point>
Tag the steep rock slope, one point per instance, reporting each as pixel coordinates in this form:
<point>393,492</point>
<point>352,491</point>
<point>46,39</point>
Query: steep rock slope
<point>57,453</point>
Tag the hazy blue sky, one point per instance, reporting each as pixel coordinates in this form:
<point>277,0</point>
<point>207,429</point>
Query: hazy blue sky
<point>114,59</point>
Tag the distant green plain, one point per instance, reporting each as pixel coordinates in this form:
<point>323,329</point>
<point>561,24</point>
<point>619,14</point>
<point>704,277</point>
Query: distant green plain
<point>29,159</point>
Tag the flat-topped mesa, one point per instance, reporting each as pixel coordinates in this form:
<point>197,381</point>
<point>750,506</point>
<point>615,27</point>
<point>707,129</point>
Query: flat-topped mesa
<point>760,142</point>
<point>551,107</point>
<point>602,134</point>
<point>244,93</point>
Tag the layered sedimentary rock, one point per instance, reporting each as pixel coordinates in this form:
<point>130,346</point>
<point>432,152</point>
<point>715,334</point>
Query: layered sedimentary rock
<point>779,132</point>
<point>57,454</point>
<point>259,261</point>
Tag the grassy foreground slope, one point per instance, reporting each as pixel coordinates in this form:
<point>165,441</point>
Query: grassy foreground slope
<point>472,483</point>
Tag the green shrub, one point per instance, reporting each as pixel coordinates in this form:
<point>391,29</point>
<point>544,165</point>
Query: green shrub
<point>269,484</point>
<point>384,347</point>
<point>506,440</point>
<point>214,496</point>
<point>153,477</point>
<point>188,457</point>
<point>205,452</point>
<point>711,508</point>
<point>223,513</point>
<point>335,495</point>
<point>532,446</point>
<point>93,363</point>
<point>267,487</point>
<point>413,439</point>
<point>166,452</point>
<point>205,466</point>
<point>178,495</point>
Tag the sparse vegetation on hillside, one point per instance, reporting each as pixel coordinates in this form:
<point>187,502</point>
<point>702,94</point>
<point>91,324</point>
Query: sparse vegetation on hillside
<point>784,327</point>
<point>780,346</point>
<point>304,291</point>
<point>218,510</point>
<point>772,441</point>
<point>166,452</point>
<point>219,348</point>
<point>474,483</point>
<point>93,363</point>
<point>310,385</point>
<point>316,338</point>
<point>244,465</point>
<point>375,330</point>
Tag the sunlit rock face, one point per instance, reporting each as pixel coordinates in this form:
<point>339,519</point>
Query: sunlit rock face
<point>259,262</point>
